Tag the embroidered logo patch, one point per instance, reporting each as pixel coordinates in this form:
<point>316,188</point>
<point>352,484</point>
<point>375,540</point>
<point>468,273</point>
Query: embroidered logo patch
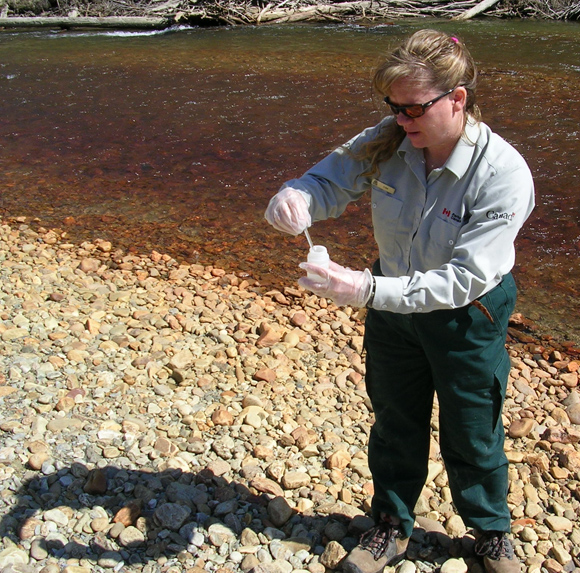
<point>493,215</point>
<point>453,216</point>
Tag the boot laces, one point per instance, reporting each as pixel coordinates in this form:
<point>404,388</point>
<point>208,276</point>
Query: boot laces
<point>378,538</point>
<point>495,545</point>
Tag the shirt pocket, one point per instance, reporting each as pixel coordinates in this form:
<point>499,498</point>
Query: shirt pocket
<point>442,239</point>
<point>386,212</point>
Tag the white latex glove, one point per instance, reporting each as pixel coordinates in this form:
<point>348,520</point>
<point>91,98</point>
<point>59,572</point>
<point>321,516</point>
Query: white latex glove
<point>288,212</point>
<point>344,286</point>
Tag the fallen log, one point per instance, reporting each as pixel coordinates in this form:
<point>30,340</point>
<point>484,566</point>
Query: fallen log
<point>477,9</point>
<point>116,22</point>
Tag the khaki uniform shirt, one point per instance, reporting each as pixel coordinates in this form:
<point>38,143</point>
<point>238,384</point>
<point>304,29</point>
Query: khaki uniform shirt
<point>444,239</point>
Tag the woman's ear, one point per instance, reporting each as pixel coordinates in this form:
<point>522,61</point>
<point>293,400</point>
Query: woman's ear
<point>459,98</point>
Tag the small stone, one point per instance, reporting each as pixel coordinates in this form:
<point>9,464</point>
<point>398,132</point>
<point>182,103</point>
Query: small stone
<point>116,530</point>
<point>57,516</point>
<point>266,485</point>
<point>299,319</point>
<point>562,556</point>
<point>129,514</point>
<point>570,379</point>
<point>166,447</point>
<point>96,483</point>
<point>408,567</point>
<point>571,460</point>
<point>222,417</point>
<point>521,428</point>
<point>65,404</point>
<point>35,461</point>
<point>265,374</point>
<point>171,516</point>
<point>28,528</point>
<point>219,534</point>
<point>268,336</point>
<point>338,460</point>
<point>279,511</point>
<point>109,559</point>
<point>89,265</point>
<point>573,412</point>
<point>181,360</point>
<point>249,537</point>
<point>99,524</point>
<point>333,555</point>
<point>38,549</point>
<point>556,523</point>
<point>454,566</point>
<point>249,563</point>
<point>13,556</point>
<point>219,467</point>
<point>276,566</point>
<point>131,537</point>
<point>295,480</point>
<point>455,526</point>
<point>9,335</point>
<point>551,566</point>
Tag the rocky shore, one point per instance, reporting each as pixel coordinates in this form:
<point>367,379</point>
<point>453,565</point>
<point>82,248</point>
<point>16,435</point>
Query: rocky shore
<point>160,417</point>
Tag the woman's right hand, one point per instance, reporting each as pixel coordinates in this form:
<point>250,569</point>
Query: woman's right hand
<point>288,212</point>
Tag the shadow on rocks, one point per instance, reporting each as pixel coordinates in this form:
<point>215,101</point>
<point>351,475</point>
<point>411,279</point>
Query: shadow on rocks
<point>114,517</point>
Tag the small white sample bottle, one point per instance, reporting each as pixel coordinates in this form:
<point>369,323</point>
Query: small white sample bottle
<point>318,255</point>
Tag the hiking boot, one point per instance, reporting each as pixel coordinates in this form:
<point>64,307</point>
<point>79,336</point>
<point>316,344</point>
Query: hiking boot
<point>497,552</point>
<point>381,545</point>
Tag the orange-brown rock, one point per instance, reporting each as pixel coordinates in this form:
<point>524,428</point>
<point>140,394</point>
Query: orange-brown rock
<point>129,514</point>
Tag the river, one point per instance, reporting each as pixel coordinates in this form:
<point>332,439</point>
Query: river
<point>175,141</point>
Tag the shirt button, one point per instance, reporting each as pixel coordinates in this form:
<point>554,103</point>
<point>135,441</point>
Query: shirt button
<point>450,242</point>
<point>374,205</point>
<point>384,306</point>
<point>419,310</point>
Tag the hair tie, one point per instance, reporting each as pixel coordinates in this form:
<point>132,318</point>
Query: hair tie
<point>454,39</point>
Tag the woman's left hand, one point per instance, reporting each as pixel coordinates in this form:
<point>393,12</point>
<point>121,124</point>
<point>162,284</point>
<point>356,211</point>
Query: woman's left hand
<point>344,286</point>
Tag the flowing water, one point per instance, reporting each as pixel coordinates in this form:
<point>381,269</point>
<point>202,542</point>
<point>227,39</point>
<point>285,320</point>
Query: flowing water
<point>175,141</point>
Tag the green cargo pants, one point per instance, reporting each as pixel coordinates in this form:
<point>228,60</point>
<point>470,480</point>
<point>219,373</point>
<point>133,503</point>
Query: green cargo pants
<point>459,354</point>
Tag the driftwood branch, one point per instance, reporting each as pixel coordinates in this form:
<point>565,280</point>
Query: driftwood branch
<point>476,10</point>
<point>117,22</point>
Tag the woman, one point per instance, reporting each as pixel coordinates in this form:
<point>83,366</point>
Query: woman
<point>448,198</point>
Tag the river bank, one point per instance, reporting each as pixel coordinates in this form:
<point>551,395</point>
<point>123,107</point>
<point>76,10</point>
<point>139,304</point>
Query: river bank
<point>163,417</point>
<point>159,14</point>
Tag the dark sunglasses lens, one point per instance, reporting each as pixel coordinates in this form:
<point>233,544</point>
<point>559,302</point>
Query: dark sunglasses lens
<point>414,111</point>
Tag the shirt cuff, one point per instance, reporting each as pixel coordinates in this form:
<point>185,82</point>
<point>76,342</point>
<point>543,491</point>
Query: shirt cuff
<point>388,294</point>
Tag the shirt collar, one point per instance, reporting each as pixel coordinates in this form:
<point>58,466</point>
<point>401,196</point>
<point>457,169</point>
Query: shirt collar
<point>460,157</point>
<point>462,153</point>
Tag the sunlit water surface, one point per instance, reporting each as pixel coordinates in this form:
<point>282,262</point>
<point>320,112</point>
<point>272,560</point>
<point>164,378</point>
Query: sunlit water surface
<point>175,141</point>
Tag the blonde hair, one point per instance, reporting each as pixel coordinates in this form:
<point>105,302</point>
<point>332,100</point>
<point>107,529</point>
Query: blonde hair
<point>433,59</point>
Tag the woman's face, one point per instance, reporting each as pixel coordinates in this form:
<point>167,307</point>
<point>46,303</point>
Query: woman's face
<point>441,126</point>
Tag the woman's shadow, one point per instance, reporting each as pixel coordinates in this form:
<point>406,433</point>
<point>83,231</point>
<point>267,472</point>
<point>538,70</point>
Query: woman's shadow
<point>112,515</point>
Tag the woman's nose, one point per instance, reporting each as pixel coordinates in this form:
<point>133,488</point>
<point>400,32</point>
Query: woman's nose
<point>402,119</point>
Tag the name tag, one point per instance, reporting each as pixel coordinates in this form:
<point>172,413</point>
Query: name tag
<point>382,186</point>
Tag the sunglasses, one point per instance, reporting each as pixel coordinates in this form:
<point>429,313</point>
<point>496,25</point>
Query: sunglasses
<point>416,109</point>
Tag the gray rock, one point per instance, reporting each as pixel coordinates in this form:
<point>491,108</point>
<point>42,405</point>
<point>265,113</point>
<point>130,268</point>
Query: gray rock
<point>171,515</point>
